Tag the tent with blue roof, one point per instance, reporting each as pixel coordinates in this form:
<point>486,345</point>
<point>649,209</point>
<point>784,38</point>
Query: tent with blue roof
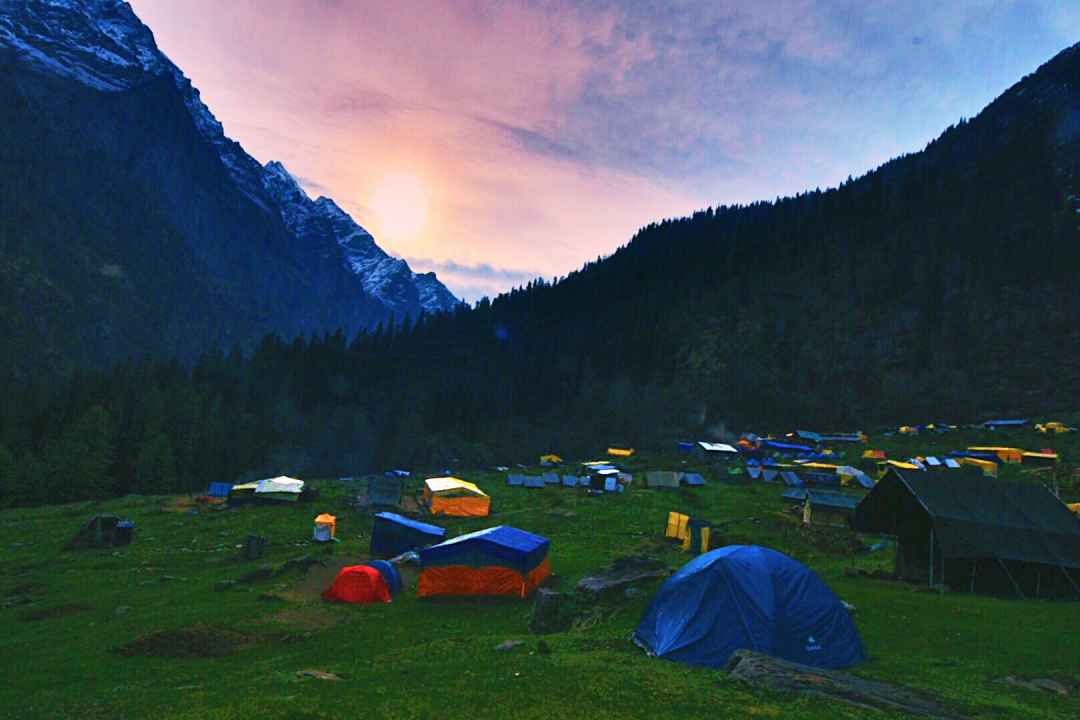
<point>502,560</point>
<point>515,480</point>
<point>219,491</point>
<point>551,478</point>
<point>748,597</point>
<point>393,534</point>
<point>532,481</point>
<point>569,481</point>
<point>692,479</point>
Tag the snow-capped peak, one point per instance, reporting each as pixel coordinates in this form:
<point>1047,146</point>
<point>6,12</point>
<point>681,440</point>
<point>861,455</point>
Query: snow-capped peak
<point>102,44</point>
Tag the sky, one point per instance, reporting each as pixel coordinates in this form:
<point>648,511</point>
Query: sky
<point>494,142</point>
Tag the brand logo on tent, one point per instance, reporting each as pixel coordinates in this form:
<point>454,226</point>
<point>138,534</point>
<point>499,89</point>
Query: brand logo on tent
<point>812,645</point>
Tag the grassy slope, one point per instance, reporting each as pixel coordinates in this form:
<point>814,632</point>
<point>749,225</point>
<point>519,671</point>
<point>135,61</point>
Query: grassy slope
<point>413,659</point>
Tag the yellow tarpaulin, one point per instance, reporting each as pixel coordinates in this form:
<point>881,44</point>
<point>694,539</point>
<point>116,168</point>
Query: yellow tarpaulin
<point>676,526</point>
<point>620,452</point>
<point>1055,428</point>
<point>987,466</point>
<point>451,496</point>
<point>1007,454</point>
<point>904,465</point>
<point>551,458</point>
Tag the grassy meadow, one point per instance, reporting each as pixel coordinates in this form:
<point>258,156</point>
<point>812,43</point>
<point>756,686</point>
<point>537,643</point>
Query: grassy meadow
<point>77,629</point>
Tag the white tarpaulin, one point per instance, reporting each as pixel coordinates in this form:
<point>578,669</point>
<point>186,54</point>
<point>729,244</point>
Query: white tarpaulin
<point>280,484</point>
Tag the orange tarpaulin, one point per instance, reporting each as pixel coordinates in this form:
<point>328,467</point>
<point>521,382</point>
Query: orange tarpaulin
<point>451,496</point>
<point>1007,454</point>
<point>463,580</point>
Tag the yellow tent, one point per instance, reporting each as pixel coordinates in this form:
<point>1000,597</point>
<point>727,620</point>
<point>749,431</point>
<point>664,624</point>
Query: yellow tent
<point>620,452</point>
<point>550,458</point>
<point>1007,454</point>
<point>1053,428</point>
<point>988,466</point>
<point>451,496</point>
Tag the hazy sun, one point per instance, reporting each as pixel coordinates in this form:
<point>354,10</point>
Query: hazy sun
<point>400,203</point>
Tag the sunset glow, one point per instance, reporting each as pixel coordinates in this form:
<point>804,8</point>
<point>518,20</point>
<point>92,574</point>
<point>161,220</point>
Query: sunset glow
<point>496,141</point>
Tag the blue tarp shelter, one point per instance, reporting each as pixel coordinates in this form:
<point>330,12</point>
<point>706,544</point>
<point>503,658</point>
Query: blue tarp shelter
<point>808,435</point>
<point>569,481</point>
<point>813,477</point>
<point>551,478</point>
<point>796,496</point>
<point>686,447</point>
<point>219,490</point>
<point>791,479</point>
<point>787,448</point>
<point>1004,424</point>
<point>692,479</point>
<point>517,480</point>
<point>532,481</point>
<point>390,575</point>
<point>748,597</point>
<point>394,534</point>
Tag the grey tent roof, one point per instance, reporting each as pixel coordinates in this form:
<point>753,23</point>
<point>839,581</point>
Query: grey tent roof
<point>384,490</point>
<point>974,516</point>
<point>832,500</point>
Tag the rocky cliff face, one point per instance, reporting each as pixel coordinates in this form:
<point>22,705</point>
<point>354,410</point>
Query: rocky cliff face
<point>111,160</point>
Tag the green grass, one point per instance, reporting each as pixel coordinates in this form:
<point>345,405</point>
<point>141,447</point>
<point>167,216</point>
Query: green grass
<point>422,659</point>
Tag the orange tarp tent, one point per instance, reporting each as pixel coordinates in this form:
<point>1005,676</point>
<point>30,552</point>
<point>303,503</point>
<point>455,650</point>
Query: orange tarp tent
<point>451,496</point>
<point>1007,454</point>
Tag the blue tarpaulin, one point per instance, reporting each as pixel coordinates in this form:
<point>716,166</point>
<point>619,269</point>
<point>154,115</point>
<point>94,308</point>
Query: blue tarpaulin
<point>821,478</point>
<point>787,447</point>
<point>1004,423</point>
<point>533,481</point>
<point>393,534</point>
<point>517,548</point>
<point>794,495</point>
<point>219,489</point>
<point>686,446</point>
<point>551,478</point>
<point>515,480</point>
<point>390,575</point>
<point>569,481</point>
<point>748,597</point>
<point>692,479</point>
<point>791,479</point>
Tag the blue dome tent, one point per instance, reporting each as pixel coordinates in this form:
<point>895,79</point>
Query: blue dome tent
<point>748,597</point>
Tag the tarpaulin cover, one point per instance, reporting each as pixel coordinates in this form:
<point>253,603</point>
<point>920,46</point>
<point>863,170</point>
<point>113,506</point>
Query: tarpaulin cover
<point>358,584</point>
<point>390,574</point>
<point>677,524</point>
<point>280,484</point>
<point>795,495</point>
<point>551,478</point>
<point>569,481</point>
<point>787,447</point>
<point>385,490</point>
<point>611,484</point>
<point>791,479</point>
<point>693,479</point>
<point>833,500</point>
<point>393,534</point>
<point>219,489</point>
<point>686,446</point>
<point>620,452</point>
<point>662,478</point>
<point>497,561</point>
<point>451,496</point>
<point>857,475</point>
<point>550,458</point>
<point>1004,423</point>
<point>533,481</point>
<point>748,597</point>
<point>516,480</point>
<point>753,471</point>
<point>973,516</point>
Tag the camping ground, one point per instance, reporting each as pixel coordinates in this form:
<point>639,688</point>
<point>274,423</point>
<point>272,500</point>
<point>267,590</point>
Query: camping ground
<point>156,629</point>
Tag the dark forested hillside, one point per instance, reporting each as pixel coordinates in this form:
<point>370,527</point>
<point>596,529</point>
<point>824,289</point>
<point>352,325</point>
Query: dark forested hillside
<point>940,286</point>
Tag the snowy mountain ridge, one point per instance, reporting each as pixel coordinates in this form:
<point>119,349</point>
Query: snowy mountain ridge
<point>103,45</point>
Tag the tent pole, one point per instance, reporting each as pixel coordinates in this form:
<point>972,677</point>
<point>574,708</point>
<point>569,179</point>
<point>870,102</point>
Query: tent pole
<point>1072,582</point>
<point>931,556</point>
<point>1016,587</point>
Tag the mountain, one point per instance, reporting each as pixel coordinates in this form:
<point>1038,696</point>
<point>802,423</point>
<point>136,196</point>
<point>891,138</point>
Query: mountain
<point>133,225</point>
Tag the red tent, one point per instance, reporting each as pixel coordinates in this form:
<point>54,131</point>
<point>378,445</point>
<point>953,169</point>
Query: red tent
<point>358,584</point>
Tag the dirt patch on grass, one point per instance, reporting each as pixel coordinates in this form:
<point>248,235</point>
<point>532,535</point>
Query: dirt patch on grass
<point>53,612</point>
<point>309,586</point>
<point>197,641</point>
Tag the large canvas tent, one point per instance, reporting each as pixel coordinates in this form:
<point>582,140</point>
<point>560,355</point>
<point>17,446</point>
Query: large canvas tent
<point>502,560</point>
<point>451,496</point>
<point>394,534</point>
<point>748,597</point>
<point>661,479</point>
<point>974,533</point>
